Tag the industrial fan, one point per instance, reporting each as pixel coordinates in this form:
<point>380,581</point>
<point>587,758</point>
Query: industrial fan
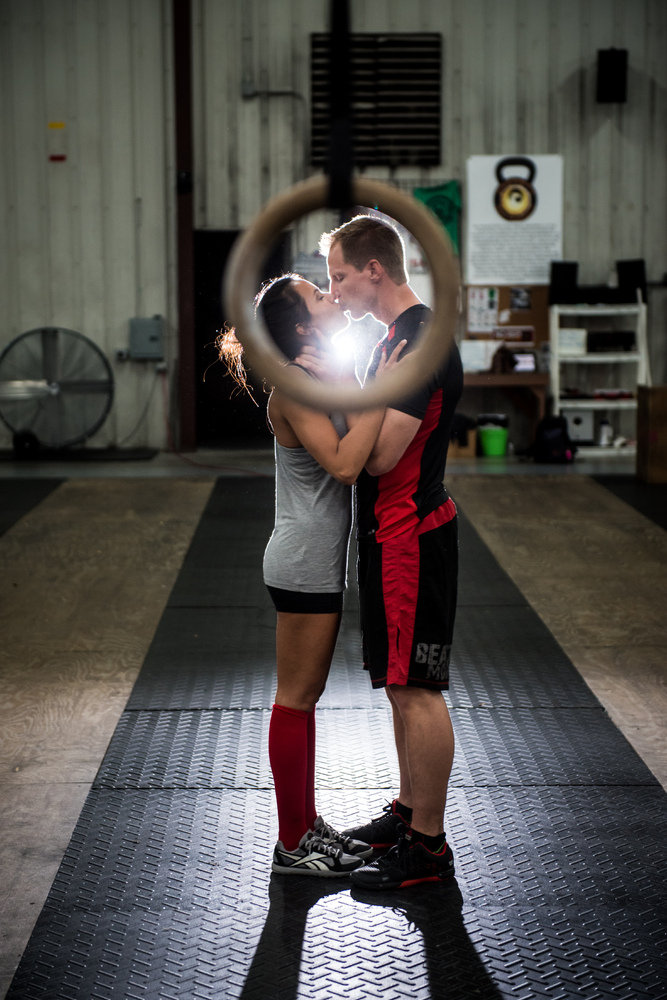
<point>56,388</point>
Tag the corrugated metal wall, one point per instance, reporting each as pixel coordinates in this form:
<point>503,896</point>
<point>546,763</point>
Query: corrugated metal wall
<point>86,241</point>
<point>89,243</point>
<point>519,77</point>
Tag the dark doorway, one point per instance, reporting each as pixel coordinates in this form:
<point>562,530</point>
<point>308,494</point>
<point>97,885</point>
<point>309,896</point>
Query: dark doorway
<point>226,416</point>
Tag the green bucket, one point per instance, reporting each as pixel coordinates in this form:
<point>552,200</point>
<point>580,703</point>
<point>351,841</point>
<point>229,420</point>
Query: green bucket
<point>493,440</point>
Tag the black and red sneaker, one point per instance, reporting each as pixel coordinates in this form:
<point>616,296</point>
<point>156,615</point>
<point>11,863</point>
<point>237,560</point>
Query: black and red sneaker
<point>410,862</point>
<point>382,831</point>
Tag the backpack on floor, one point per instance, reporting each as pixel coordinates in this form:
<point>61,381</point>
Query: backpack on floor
<point>552,441</point>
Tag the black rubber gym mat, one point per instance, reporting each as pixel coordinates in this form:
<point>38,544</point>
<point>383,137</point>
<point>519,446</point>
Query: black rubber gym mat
<point>482,582</point>
<point>19,496</point>
<point>515,846</point>
<point>165,894</point>
<point>557,826</point>
<point>223,658</point>
<point>650,499</point>
<point>499,746</point>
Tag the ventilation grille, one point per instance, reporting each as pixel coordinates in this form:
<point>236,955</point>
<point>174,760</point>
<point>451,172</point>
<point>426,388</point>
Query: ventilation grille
<point>395,82</point>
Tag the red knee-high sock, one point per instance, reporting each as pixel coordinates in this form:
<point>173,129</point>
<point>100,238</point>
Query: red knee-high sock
<point>288,756</point>
<point>311,809</point>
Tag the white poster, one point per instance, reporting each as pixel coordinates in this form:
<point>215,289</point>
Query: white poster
<point>482,310</point>
<point>514,219</point>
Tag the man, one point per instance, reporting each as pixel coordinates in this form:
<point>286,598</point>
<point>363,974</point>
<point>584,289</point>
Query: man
<point>408,560</point>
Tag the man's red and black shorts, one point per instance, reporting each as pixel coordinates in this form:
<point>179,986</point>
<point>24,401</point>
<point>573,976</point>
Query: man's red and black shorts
<point>407,597</point>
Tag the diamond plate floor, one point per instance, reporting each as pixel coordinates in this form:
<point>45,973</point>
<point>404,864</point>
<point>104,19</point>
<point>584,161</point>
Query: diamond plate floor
<point>558,827</point>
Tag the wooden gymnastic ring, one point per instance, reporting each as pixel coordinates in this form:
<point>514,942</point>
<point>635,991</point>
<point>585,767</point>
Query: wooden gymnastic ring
<point>242,281</point>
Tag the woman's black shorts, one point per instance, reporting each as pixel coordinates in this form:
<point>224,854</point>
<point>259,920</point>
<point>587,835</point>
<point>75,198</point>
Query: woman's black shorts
<point>295,602</point>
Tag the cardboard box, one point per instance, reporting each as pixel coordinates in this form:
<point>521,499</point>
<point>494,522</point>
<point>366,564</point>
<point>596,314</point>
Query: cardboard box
<point>572,340</point>
<point>468,450</point>
<point>652,433</point>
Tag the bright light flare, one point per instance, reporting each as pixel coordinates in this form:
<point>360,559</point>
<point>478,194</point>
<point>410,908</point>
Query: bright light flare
<point>344,346</point>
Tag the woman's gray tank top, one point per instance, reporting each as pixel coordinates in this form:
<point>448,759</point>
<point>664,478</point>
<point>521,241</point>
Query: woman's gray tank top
<point>307,551</point>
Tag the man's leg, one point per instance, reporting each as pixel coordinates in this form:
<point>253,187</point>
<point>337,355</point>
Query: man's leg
<point>425,743</point>
<point>405,787</point>
<point>425,747</point>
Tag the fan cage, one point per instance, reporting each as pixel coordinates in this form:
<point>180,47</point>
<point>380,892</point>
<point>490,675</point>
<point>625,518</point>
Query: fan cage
<point>56,386</point>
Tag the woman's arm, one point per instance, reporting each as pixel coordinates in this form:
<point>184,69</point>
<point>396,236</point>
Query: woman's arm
<point>343,458</point>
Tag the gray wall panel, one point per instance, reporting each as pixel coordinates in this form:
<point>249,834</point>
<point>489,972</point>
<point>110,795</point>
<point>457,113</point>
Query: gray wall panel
<point>89,243</point>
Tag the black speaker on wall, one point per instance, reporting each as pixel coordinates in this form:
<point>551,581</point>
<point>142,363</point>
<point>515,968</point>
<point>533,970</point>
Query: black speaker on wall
<point>612,76</point>
<point>632,278</point>
<point>563,281</point>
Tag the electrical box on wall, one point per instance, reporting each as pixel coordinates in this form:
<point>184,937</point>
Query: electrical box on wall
<point>147,338</point>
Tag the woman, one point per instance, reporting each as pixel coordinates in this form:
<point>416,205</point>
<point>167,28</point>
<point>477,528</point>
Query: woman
<point>317,459</point>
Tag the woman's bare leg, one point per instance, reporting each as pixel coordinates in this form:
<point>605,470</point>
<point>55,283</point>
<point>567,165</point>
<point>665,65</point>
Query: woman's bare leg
<point>304,649</point>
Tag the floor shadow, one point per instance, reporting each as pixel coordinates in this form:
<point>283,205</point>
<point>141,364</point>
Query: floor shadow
<point>274,971</point>
<point>429,938</point>
<point>452,966</point>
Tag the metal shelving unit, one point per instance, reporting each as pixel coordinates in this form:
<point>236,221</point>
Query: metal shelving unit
<point>581,367</point>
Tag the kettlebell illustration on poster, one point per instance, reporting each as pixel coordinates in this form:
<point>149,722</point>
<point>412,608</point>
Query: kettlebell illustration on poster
<point>515,198</point>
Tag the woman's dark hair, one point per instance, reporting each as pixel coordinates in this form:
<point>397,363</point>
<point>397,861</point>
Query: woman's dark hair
<point>281,307</point>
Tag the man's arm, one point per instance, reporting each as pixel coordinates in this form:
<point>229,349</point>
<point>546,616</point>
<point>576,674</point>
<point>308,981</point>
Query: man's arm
<point>397,431</point>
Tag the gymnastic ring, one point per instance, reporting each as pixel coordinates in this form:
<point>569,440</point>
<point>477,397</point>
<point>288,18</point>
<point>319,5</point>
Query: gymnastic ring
<point>242,281</point>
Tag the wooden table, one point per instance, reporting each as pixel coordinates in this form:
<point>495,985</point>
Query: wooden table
<point>515,384</point>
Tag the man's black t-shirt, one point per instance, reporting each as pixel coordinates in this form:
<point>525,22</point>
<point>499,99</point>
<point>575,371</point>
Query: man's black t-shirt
<point>397,500</point>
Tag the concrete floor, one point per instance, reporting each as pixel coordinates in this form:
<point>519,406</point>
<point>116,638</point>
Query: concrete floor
<point>87,574</point>
<point>259,461</point>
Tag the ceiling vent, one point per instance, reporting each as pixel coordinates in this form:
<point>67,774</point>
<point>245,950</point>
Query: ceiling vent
<point>395,82</point>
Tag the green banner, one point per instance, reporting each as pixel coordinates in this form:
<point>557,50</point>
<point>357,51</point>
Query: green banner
<point>444,200</point>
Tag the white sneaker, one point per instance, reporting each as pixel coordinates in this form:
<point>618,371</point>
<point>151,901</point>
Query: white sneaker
<point>314,856</point>
<point>357,848</point>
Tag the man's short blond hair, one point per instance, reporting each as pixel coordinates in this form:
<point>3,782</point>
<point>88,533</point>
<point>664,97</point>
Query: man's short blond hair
<point>366,238</point>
